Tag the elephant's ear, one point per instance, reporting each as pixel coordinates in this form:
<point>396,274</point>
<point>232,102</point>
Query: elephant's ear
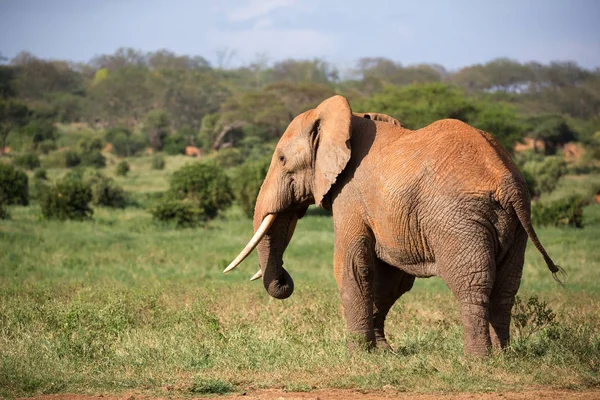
<point>332,144</point>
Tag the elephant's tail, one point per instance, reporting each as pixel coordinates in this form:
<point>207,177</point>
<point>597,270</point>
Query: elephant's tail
<point>523,211</point>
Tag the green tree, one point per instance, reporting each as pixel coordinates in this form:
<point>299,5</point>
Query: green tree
<point>13,114</point>
<point>156,128</point>
<point>554,130</point>
<point>418,105</point>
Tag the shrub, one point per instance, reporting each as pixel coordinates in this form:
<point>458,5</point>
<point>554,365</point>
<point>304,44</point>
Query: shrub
<point>13,186</point>
<point>249,178</point>
<point>72,159</point>
<point>175,144</point>
<point>122,168</point>
<point>40,173</point>
<point>229,157</point>
<point>89,144</point>
<point>41,130</point>
<point>47,146</point>
<point>94,159</point>
<point>67,198</point>
<point>28,161</point>
<point>184,213</point>
<point>105,191</point>
<point>124,143</point>
<point>566,211</point>
<point>531,316</point>
<point>196,194</point>
<point>158,162</point>
<point>4,214</point>
<point>545,173</point>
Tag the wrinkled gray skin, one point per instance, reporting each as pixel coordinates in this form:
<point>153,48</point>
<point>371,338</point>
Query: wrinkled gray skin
<point>445,201</point>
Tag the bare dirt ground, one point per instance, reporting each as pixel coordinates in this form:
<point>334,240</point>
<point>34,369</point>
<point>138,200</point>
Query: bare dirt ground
<point>340,394</point>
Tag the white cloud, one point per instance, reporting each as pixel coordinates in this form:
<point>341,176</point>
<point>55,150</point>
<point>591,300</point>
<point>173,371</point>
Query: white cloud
<point>258,8</point>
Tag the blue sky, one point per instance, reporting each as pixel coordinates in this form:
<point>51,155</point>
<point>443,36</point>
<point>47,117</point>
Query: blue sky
<point>451,33</point>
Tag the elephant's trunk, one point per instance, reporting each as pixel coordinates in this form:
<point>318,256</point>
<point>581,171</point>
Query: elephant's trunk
<point>276,279</point>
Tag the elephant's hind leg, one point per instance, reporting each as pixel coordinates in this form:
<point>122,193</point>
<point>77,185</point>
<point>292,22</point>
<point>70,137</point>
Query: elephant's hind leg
<point>469,272</point>
<point>390,284</point>
<point>508,280</point>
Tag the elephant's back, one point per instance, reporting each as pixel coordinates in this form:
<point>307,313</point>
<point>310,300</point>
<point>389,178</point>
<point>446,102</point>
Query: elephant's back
<point>461,156</point>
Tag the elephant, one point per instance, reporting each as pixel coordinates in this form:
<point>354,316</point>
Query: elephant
<point>445,200</point>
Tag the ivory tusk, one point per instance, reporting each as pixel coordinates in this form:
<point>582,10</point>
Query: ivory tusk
<point>258,235</point>
<point>256,275</point>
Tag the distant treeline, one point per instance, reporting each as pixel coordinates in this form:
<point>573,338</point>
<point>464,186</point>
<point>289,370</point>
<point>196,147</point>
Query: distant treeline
<point>192,103</point>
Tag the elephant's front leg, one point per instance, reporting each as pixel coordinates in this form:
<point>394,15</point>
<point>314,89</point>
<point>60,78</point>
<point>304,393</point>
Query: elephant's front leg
<point>354,262</point>
<point>390,284</point>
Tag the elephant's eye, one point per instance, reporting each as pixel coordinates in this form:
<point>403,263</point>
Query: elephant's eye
<point>282,158</point>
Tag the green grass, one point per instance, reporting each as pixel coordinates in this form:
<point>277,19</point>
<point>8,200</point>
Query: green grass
<point>121,303</point>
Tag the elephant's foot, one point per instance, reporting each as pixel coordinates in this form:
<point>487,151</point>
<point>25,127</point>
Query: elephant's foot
<point>477,334</point>
<point>361,342</point>
<point>381,341</point>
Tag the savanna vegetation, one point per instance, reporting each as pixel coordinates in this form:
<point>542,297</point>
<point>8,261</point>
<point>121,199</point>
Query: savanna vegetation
<point>126,186</point>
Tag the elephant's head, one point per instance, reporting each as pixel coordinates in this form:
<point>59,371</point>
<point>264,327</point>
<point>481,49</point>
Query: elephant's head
<point>308,159</point>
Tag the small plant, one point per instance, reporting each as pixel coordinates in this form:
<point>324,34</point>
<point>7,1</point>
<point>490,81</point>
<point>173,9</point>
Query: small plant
<point>211,386</point>
<point>14,187</point>
<point>72,159</point>
<point>567,211</point>
<point>28,161</point>
<point>158,162</point>
<point>94,159</point>
<point>68,198</point>
<point>122,168</point>
<point>531,316</point>
<point>105,191</point>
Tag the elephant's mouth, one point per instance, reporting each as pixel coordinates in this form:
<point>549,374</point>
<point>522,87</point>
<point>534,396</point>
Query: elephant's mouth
<point>265,229</point>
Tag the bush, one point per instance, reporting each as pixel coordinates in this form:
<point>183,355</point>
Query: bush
<point>68,198</point>
<point>229,157</point>
<point>545,174</point>
<point>196,194</point>
<point>4,214</point>
<point>175,144</point>
<point>124,143</point>
<point>47,146</point>
<point>249,178</point>
<point>89,144</point>
<point>105,191</point>
<point>40,173</point>
<point>28,161</point>
<point>566,212</point>
<point>93,158</point>
<point>184,213</point>
<point>14,187</point>
<point>72,159</point>
<point>41,130</point>
<point>158,162</point>
<point>122,168</point>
